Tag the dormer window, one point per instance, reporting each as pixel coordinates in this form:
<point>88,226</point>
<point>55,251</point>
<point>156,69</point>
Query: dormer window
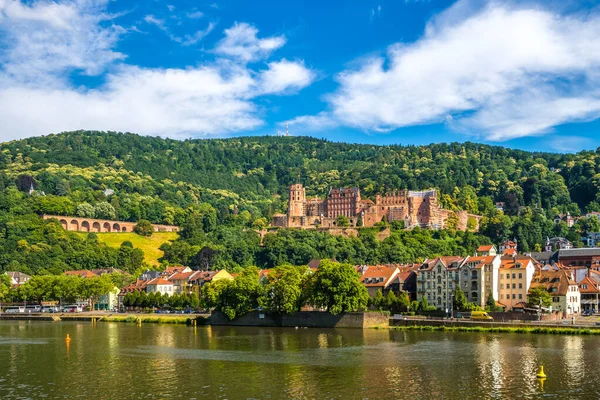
<point>584,286</point>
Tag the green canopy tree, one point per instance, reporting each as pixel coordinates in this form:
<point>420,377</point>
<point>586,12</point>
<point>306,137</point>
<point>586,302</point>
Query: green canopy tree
<point>337,288</point>
<point>283,290</point>
<point>460,302</point>
<point>539,295</point>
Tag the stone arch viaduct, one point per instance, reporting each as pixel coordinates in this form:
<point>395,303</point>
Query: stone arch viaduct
<point>103,225</point>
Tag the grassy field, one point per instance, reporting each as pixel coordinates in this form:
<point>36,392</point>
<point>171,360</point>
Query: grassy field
<point>149,245</point>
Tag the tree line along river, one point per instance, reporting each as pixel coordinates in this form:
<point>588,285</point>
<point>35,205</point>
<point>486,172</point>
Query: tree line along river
<point>125,361</point>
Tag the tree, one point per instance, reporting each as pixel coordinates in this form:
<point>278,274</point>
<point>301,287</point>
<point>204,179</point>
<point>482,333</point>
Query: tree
<point>460,302</point>
<point>338,289</point>
<point>391,301</point>
<point>403,302</point>
<point>342,221</point>
<point>490,303</point>
<point>144,228</point>
<point>378,301</point>
<point>283,290</point>
<point>104,210</point>
<point>85,210</point>
<point>234,298</point>
<point>4,286</point>
<point>539,295</point>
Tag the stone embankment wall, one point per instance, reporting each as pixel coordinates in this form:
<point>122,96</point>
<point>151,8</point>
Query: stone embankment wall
<point>310,319</point>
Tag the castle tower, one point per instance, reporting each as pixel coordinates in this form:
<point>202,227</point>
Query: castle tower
<point>297,202</point>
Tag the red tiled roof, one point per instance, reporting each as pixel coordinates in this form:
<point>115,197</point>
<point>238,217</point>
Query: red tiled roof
<point>159,281</point>
<point>84,273</point>
<point>592,286</point>
<point>487,247</point>
<point>205,276</point>
<point>377,275</point>
<point>549,280</point>
<point>181,276</point>
<point>510,252</point>
<point>509,262</point>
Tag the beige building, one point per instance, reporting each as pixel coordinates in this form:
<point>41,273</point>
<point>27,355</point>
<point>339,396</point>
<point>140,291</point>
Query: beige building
<point>478,278</point>
<point>561,285</point>
<point>160,285</point>
<point>516,274</point>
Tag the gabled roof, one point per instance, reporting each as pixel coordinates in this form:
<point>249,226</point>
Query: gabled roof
<point>485,247</point>
<point>181,276</point>
<point>510,252</point>
<point>84,273</point>
<point>591,286</point>
<point>508,262</point>
<point>450,262</point>
<point>549,280</point>
<point>138,285</point>
<point>159,281</point>
<point>378,275</point>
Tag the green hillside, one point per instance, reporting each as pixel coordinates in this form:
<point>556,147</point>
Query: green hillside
<point>221,190</point>
<point>149,245</point>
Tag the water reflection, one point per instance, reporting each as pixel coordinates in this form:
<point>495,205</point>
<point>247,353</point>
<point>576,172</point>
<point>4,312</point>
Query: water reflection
<point>151,361</point>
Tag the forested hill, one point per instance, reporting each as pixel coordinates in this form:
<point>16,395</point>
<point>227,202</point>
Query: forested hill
<point>220,190</point>
<point>259,167</point>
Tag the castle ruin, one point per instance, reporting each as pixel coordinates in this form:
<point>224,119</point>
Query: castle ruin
<point>413,208</point>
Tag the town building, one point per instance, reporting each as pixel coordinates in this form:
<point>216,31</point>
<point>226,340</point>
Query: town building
<point>562,287</point>
<point>108,301</point>
<point>387,278</point>
<point>487,250</point>
<point>557,243</point>
<point>589,258</point>
<point>410,207</point>
<point>566,218</point>
<point>515,276</point>
<point>82,273</point>
<point>592,239</point>
<point>160,285</point>
<point>17,278</point>
<point>437,280</point>
<point>509,247</point>
<point>590,294</point>
<point>200,278</point>
<point>478,278</point>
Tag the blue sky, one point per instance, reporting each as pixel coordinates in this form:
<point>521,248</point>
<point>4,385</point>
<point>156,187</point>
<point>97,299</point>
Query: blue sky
<point>521,74</point>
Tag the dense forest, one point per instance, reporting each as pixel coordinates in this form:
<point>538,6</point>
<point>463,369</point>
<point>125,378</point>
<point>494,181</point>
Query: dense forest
<point>220,190</point>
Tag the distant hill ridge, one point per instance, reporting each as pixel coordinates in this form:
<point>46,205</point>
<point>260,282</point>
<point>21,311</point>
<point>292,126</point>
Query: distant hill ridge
<point>257,168</point>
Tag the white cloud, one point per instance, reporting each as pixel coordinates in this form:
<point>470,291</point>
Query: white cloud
<point>198,35</point>
<point>241,43</point>
<point>211,98</point>
<point>502,72</point>
<point>195,15</point>
<point>43,40</point>
<point>284,75</point>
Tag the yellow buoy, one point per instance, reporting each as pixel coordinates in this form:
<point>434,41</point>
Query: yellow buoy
<point>68,338</point>
<point>541,374</point>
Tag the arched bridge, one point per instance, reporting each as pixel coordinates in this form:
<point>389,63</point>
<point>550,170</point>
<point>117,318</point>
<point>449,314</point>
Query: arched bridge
<point>102,225</point>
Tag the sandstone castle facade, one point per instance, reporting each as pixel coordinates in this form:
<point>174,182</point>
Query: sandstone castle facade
<point>413,208</point>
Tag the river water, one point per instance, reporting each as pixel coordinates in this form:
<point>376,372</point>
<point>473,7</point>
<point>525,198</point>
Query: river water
<point>125,361</point>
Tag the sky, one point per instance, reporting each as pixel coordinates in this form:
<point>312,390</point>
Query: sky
<point>523,74</point>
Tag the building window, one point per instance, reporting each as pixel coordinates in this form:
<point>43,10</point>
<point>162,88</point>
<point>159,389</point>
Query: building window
<point>502,286</point>
<point>513,276</point>
<point>520,275</point>
<point>513,296</point>
<point>514,286</point>
<point>520,296</point>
